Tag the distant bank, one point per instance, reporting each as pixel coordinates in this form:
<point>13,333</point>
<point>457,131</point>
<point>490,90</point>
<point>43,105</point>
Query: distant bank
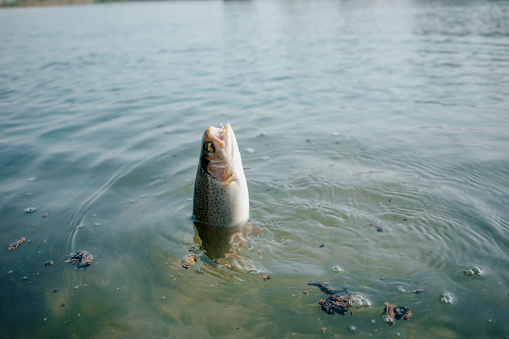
<point>21,3</point>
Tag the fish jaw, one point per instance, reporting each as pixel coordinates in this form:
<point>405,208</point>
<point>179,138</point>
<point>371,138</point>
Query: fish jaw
<point>220,154</point>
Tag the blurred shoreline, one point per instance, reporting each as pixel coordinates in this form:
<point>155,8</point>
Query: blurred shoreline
<point>32,3</point>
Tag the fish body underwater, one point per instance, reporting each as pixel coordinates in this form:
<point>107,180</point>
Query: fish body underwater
<point>221,196</point>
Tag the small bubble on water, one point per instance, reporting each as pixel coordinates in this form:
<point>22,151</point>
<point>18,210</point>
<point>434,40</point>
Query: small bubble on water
<point>446,298</point>
<point>387,318</point>
<point>32,179</point>
<point>77,287</point>
<point>474,270</point>
<point>163,298</point>
<point>30,210</point>
<point>361,301</point>
<point>265,157</point>
<point>336,269</point>
<point>398,334</point>
<point>401,289</point>
<point>25,277</point>
<point>352,328</point>
<point>250,150</point>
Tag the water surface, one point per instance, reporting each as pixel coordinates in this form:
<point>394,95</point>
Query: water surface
<point>374,137</point>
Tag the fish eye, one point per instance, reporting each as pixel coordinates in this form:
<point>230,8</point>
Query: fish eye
<point>209,147</point>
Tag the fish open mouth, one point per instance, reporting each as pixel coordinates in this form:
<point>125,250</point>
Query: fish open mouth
<point>219,136</point>
<point>219,153</point>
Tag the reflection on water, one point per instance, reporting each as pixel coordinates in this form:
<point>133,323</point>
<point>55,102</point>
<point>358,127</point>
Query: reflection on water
<point>227,245</point>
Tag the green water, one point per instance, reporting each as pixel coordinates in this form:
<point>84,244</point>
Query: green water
<point>374,137</point>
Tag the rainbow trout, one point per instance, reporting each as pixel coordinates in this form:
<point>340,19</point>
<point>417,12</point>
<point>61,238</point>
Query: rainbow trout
<point>220,190</point>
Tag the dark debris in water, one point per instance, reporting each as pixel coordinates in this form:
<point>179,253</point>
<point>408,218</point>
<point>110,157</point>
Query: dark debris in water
<point>266,277</point>
<point>80,259</point>
<point>49,263</point>
<point>391,313</point>
<point>324,287</point>
<point>189,260</point>
<point>335,304</point>
<point>15,245</point>
<point>338,301</point>
<point>378,225</point>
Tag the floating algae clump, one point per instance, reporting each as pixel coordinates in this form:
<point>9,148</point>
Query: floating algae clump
<point>15,245</point>
<point>80,259</point>
<point>338,301</point>
<point>189,260</point>
<point>392,312</point>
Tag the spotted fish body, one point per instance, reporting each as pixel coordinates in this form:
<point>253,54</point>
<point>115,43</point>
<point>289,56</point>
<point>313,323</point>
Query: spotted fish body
<point>220,191</point>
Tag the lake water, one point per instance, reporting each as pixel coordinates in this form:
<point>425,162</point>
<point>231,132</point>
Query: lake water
<point>374,136</point>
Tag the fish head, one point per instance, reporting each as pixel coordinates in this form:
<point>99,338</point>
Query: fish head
<point>220,156</point>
